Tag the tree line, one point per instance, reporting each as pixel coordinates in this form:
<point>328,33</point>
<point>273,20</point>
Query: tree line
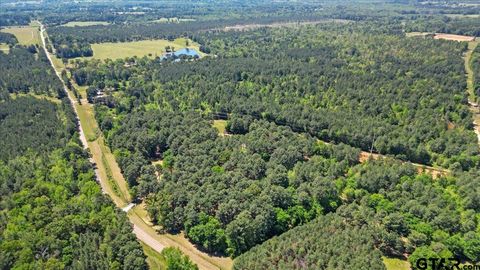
<point>442,24</point>
<point>26,69</point>
<point>269,174</point>
<point>53,214</point>
<point>408,101</point>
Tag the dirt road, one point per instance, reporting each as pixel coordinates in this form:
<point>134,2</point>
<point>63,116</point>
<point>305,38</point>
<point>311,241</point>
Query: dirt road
<point>144,232</point>
<point>72,99</point>
<point>472,102</point>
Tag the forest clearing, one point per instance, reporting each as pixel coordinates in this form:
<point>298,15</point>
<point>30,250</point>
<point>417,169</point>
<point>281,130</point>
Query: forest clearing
<point>453,37</point>
<point>26,35</point>
<point>150,48</point>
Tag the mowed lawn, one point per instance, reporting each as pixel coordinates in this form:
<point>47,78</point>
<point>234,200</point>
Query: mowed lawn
<point>85,23</point>
<point>141,48</point>
<point>26,35</point>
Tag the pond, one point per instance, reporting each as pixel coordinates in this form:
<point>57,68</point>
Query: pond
<point>187,51</point>
<point>178,54</point>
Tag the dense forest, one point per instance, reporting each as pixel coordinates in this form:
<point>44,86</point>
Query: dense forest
<point>8,39</point>
<point>442,24</point>
<point>53,214</point>
<point>252,151</point>
<point>341,83</point>
<point>27,70</point>
<point>331,241</point>
<point>476,70</point>
<point>7,19</point>
<point>281,90</point>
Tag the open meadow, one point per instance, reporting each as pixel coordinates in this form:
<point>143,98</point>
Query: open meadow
<point>26,35</point>
<point>151,48</point>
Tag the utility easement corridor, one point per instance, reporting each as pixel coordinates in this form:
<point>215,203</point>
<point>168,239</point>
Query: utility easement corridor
<point>112,183</point>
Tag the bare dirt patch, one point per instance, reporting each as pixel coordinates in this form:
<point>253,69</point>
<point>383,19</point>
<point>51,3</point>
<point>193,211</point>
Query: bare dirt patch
<point>453,37</point>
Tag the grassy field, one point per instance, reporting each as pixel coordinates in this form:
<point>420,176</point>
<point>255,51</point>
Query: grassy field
<point>468,69</point>
<point>26,35</point>
<point>139,48</point>
<point>220,126</point>
<point>85,23</point>
<point>396,264</point>
<point>107,166</point>
<point>154,259</point>
<point>4,47</point>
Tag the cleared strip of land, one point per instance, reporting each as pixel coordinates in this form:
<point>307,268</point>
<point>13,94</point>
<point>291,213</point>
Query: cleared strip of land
<point>112,182</point>
<point>442,36</point>
<point>453,37</point>
<point>472,99</point>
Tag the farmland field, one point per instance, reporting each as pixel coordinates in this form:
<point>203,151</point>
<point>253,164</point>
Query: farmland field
<point>26,35</point>
<point>138,48</point>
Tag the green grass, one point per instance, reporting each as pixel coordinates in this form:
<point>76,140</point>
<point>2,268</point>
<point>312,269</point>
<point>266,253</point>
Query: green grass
<point>139,48</point>
<point>468,69</point>
<point>395,264</point>
<point>4,47</point>
<point>154,259</point>
<point>26,35</point>
<point>85,23</point>
<point>220,126</point>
